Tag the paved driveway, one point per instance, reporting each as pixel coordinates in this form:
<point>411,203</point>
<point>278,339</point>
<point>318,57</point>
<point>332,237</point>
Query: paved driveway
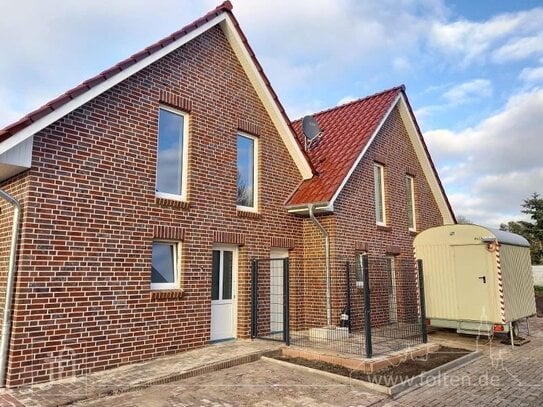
<point>501,377</point>
<point>259,383</point>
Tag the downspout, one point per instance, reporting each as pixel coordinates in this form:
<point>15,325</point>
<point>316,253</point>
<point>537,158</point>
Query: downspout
<point>324,232</point>
<point>6,326</point>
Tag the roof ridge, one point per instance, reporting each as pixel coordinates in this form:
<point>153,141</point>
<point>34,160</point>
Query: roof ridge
<point>88,84</point>
<point>352,102</point>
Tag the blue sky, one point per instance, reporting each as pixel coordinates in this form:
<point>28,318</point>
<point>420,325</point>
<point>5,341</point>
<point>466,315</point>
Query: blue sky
<point>473,71</point>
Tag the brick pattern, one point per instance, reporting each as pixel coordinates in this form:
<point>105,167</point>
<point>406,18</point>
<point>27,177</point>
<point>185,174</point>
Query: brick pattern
<point>176,101</point>
<point>18,188</point>
<point>229,237</point>
<point>360,246</point>
<point>352,229</point>
<point>248,127</point>
<point>356,208</point>
<point>169,232</point>
<point>83,300</point>
<point>282,242</point>
<point>172,203</point>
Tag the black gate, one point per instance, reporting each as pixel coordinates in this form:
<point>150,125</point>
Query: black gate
<point>270,299</point>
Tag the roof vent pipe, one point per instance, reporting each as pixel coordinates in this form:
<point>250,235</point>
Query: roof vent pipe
<point>324,232</point>
<point>6,326</point>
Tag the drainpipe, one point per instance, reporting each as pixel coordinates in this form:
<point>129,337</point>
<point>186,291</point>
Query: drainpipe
<point>327,254</point>
<point>6,327</point>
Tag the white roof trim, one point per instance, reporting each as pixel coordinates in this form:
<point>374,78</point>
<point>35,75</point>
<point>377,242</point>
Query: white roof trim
<point>429,173</point>
<point>359,158</point>
<point>95,91</point>
<point>283,128</point>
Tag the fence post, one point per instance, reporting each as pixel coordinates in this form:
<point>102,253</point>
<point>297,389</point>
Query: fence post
<point>367,306</point>
<point>254,298</point>
<point>286,295</point>
<point>348,270</point>
<point>422,300</point>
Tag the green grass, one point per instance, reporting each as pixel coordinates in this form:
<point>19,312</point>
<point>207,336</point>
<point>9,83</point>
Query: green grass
<point>538,287</point>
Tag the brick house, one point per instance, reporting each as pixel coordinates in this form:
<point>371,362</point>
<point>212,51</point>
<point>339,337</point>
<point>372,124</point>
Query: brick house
<point>146,190</point>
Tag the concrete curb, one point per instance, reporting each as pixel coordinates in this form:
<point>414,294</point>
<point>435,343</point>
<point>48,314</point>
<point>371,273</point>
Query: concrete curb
<point>342,379</point>
<point>197,371</point>
<point>437,371</point>
<point>391,391</point>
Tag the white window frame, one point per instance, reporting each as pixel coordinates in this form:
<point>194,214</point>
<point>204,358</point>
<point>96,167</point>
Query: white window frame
<point>184,157</point>
<point>410,192</point>
<point>256,164</point>
<point>176,264</point>
<point>380,188</point>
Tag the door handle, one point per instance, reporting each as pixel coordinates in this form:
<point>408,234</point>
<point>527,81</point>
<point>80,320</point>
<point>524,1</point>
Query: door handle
<point>483,278</point>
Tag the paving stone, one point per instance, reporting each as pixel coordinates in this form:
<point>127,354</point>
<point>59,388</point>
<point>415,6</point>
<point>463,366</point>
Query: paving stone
<point>501,377</point>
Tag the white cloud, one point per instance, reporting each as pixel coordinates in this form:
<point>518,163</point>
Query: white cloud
<point>401,64</point>
<point>475,41</point>
<point>490,168</point>
<point>55,45</point>
<point>468,91</point>
<point>532,74</point>
<point>519,48</point>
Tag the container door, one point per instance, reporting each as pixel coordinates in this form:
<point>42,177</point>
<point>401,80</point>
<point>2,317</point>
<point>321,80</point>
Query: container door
<point>223,293</point>
<point>473,284</point>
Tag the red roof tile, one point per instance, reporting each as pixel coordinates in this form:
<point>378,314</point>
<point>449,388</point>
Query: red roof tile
<point>347,129</point>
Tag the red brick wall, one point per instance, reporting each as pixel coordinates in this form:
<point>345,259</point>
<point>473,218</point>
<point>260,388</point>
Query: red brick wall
<point>83,294</point>
<point>353,227</point>
<point>18,188</point>
<point>355,209</point>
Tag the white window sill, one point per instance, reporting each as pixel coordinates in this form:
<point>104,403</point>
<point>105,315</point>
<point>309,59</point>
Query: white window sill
<point>246,209</point>
<point>173,197</point>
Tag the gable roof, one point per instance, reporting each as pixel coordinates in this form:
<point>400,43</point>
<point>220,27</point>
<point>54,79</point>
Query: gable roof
<point>348,131</point>
<point>25,128</point>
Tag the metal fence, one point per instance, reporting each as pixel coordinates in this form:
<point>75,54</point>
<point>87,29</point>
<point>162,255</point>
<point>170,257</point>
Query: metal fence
<point>270,299</point>
<point>361,305</point>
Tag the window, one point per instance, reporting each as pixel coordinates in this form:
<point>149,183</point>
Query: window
<point>165,265</point>
<point>360,270</point>
<point>171,170</point>
<point>410,193</point>
<point>378,177</point>
<point>221,275</point>
<point>247,172</point>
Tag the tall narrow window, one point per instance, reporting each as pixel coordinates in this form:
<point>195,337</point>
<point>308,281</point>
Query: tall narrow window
<point>410,193</point>
<point>247,172</point>
<point>165,265</point>
<point>379,181</point>
<point>171,154</point>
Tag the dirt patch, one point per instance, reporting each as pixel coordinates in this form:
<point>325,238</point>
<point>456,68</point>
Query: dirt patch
<point>539,302</point>
<point>388,376</point>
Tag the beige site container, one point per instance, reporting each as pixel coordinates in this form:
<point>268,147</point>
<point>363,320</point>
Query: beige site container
<point>476,279</point>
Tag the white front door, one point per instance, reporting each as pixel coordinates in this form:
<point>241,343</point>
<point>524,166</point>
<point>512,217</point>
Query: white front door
<point>223,293</point>
<point>276,289</point>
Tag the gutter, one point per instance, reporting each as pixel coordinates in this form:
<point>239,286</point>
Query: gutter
<point>10,283</point>
<point>324,232</point>
<point>303,209</point>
